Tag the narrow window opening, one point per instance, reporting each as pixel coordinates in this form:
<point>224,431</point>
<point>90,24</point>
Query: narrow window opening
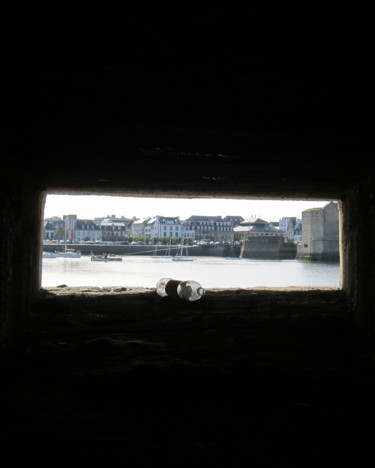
<point>112,241</point>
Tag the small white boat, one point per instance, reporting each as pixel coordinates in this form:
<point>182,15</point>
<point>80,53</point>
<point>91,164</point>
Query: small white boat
<point>49,255</point>
<point>182,259</point>
<point>68,254</point>
<point>179,257</point>
<point>106,258</point>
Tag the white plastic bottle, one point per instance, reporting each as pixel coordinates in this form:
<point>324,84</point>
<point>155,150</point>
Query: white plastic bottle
<point>186,290</point>
<point>161,286</point>
<point>190,290</point>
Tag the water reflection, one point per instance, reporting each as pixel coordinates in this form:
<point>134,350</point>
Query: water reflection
<point>211,272</point>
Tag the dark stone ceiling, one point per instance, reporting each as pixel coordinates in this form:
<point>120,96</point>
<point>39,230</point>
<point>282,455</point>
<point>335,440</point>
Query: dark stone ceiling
<point>197,77</point>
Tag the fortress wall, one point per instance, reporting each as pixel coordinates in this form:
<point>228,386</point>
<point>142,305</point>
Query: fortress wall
<point>320,234</point>
<point>268,247</point>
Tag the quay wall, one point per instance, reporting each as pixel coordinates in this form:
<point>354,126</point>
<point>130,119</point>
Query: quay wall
<point>148,250</point>
<point>272,247</point>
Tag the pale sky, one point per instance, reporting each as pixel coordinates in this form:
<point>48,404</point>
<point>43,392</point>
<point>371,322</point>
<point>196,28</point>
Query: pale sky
<point>94,206</point>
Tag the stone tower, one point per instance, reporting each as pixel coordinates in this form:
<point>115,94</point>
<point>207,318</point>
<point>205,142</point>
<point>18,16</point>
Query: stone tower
<point>320,233</point>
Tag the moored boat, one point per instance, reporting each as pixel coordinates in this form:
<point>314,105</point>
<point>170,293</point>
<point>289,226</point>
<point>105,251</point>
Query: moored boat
<point>180,257</point>
<point>68,253</point>
<point>106,258</point>
<point>48,255</point>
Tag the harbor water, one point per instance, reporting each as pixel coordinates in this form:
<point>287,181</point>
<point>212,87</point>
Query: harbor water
<point>210,272</point>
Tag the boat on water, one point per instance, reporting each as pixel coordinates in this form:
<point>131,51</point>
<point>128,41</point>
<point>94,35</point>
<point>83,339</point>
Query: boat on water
<point>182,259</point>
<point>180,256</point>
<point>106,258</point>
<point>68,253</point>
<point>49,255</point>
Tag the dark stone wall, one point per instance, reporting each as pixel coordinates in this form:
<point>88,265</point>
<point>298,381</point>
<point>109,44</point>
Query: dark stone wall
<point>358,255</point>
<point>239,100</point>
<point>231,100</point>
<point>272,247</point>
<point>21,207</point>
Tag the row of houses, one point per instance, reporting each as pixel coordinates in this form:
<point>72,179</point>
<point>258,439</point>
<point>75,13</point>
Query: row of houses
<point>316,235</point>
<point>114,229</point>
<point>72,229</point>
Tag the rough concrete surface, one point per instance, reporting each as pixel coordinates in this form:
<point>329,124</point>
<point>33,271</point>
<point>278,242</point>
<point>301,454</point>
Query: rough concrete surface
<point>235,100</point>
<point>127,378</point>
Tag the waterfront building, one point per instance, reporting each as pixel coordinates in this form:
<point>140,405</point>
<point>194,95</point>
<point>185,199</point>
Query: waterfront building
<point>78,230</point>
<point>234,220</point>
<point>212,227</point>
<point>70,222</point>
<point>85,230</point>
<point>187,231</point>
<point>115,229</point>
<point>298,232</point>
<point>138,227</point>
<point>262,240</point>
<point>58,226</point>
<point>291,227</point>
<point>255,227</point>
<point>49,230</point>
<point>320,233</point>
<point>161,226</point>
